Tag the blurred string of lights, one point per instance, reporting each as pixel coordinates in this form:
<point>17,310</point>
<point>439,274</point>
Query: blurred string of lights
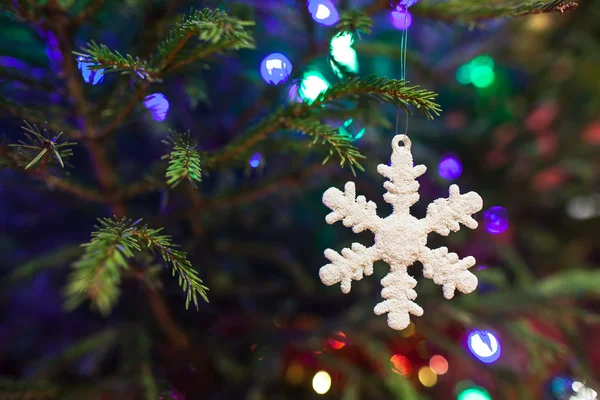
<point>158,105</point>
<point>479,72</point>
<point>495,220</point>
<point>323,12</point>
<point>485,346</point>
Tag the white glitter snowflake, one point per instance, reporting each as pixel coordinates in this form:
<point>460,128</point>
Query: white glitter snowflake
<point>400,239</point>
<point>583,392</point>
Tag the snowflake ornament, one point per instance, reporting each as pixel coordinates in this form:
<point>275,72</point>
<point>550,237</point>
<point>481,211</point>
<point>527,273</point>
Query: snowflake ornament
<point>583,392</point>
<point>400,239</point>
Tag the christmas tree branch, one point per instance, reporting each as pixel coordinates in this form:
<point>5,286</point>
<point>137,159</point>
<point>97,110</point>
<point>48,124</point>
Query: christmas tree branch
<point>298,116</point>
<point>382,90</point>
<point>475,10</point>
<point>13,161</point>
<point>195,36</point>
<point>283,184</point>
<point>97,275</point>
<point>98,157</point>
<point>339,145</point>
<point>184,160</point>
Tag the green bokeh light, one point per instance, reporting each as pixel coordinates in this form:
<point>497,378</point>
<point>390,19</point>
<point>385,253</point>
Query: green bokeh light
<point>342,40</point>
<point>479,71</point>
<point>343,53</point>
<point>474,393</point>
<point>483,60</point>
<point>312,85</point>
<point>482,76</point>
<point>463,74</point>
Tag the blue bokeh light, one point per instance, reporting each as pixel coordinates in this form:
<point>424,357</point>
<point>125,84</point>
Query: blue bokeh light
<point>560,386</point>
<point>450,168</point>
<point>255,160</point>
<point>323,12</point>
<point>90,76</point>
<point>485,346</point>
<point>496,220</point>
<point>275,68</point>
<point>158,105</point>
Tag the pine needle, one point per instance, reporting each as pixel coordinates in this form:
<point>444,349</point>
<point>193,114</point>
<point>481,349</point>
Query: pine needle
<point>96,276</point>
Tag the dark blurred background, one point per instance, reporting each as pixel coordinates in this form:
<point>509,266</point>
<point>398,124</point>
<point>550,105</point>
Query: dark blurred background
<point>520,126</point>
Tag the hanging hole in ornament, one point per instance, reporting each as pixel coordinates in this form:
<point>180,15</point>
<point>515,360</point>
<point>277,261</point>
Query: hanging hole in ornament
<point>401,139</point>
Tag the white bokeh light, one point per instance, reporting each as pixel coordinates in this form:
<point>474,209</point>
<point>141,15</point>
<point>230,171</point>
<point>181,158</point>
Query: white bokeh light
<point>321,382</point>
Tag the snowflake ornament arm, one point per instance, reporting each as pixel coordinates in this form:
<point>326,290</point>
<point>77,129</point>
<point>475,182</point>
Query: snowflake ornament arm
<point>401,239</point>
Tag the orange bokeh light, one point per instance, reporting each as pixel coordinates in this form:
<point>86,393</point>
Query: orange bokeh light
<point>337,341</point>
<point>439,365</point>
<point>402,365</point>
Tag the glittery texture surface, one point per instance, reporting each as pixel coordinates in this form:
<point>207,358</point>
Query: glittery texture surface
<point>400,238</point>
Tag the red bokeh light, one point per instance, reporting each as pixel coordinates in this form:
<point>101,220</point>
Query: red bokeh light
<point>401,365</point>
<point>337,341</point>
<point>438,364</point>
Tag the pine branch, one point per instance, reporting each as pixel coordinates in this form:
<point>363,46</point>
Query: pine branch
<point>195,36</point>
<point>305,117</point>
<point>354,21</point>
<point>475,10</point>
<point>97,275</point>
<point>381,90</point>
<point>184,160</point>
<point>327,135</point>
<point>99,56</point>
<point>39,146</point>
<point>215,32</point>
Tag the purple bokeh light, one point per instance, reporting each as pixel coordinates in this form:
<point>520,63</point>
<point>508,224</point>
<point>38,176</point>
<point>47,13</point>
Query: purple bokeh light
<point>485,346</point>
<point>90,76</point>
<point>158,104</point>
<point>401,19</point>
<point>450,168</point>
<point>496,220</point>
<point>323,12</point>
<point>275,68</point>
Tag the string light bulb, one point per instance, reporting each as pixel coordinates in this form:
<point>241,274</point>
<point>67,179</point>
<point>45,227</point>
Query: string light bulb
<point>474,393</point>
<point>91,76</point>
<point>321,382</point>
<point>438,364</point>
<point>427,377</point>
<point>275,68</point>
<point>158,105</point>
<point>312,85</point>
<point>323,12</point>
<point>495,220</point>
<point>485,346</point>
